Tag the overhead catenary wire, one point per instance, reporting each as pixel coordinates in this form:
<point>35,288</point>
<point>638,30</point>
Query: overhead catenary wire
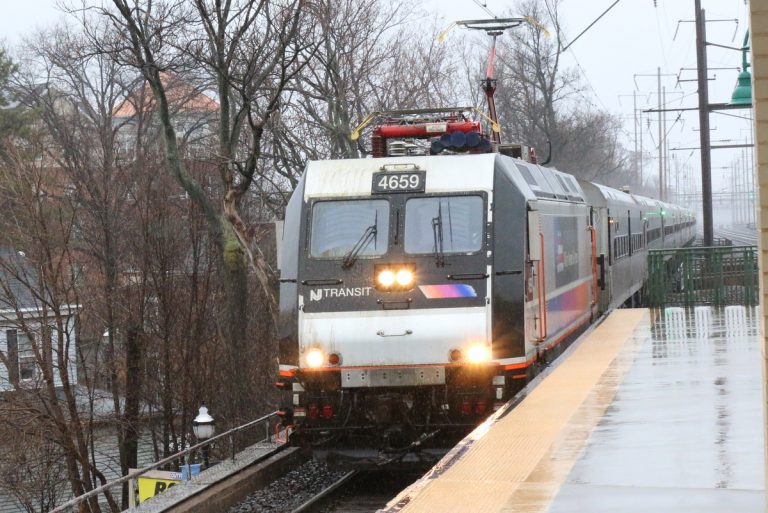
<point>732,115</point>
<point>484,7</point>
<point>661,40</point>
<point>590,25</point>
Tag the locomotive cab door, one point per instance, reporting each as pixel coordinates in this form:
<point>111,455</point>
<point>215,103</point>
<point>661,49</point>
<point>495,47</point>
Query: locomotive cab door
<point>599,222</point>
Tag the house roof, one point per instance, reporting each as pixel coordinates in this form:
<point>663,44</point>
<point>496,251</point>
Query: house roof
<point>180,94</point>
<point>17,280</point>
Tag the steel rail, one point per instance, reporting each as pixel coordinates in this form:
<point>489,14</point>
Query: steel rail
<point>308,506</point>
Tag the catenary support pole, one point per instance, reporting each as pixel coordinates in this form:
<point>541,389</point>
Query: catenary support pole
<point>665,159</point>
<point>706,161</point>
<point>637,157</point>
<point>661,148</point>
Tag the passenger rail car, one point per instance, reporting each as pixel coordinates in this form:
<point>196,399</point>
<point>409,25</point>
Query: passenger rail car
<point>419,293</point>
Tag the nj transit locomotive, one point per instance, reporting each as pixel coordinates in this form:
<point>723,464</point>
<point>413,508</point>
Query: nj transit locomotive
<point>419,293</point>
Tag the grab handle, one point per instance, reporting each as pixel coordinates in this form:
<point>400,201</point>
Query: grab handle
<point>542,294</point>
<point>382,333</point>
<point>593,232</point>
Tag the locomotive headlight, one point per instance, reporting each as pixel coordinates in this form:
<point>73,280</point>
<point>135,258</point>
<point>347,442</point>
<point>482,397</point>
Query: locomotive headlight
<point>386,278</point>
<point>394,277</point>
<point>478,353</point>
<point>315,358</point>
<point>404,277</point>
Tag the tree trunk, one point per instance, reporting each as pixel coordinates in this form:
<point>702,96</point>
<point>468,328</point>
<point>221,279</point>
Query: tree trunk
<point>133,385</point>
<point>235,317</point>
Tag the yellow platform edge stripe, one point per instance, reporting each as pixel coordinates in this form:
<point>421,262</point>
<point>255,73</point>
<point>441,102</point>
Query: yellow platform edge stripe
<point>520,462</point>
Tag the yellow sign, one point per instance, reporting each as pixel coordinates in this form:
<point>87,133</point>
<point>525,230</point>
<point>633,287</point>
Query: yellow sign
<point>151,486</point>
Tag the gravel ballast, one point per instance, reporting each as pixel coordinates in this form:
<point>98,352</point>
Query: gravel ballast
<point>290,491</point>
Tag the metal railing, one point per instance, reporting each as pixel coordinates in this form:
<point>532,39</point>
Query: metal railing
<point>184,455</point>
<point>717,276</point>
<point>716,241</point>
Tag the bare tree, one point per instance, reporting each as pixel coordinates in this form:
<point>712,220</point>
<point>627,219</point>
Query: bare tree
<point>76,92</point>
<point>32,466</point>
<point>542,104</point>
<point>249,51</point>
<point>370,56</point>
<point>39,302</point>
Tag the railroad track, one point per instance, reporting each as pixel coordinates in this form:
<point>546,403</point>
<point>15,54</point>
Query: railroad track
<point>740,236</point>
<point>319,500</point>
<point>360,491</point>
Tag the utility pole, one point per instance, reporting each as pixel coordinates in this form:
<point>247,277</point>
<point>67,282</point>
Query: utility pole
<point>661,149</point>
<point>744,188</point>
<point>665,167</point>
<point>638,158</point>
<point>676,166</point>
<point>706,161</point>
<point>641,149</point>
<point>734,211</point>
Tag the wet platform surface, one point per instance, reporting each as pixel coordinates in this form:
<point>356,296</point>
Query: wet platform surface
<point>648,412</point>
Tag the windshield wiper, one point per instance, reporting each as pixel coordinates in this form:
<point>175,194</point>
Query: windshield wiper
<point>368,235</point>
<point>437,234</point>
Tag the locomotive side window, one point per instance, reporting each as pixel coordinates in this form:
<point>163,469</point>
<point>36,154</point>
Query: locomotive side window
<point>453,223</point>
<point>338,226</point>
<point>527,175</point>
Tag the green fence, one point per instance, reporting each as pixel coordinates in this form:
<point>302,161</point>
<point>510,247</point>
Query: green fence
<point>693,276</point>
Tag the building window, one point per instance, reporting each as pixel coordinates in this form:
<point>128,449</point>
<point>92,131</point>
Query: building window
<point>28,369</point>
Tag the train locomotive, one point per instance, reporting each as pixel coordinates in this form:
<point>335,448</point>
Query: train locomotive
<point>421,292</point>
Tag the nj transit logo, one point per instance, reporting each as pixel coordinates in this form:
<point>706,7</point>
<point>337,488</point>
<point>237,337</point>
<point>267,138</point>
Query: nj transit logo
<point>320,294</point>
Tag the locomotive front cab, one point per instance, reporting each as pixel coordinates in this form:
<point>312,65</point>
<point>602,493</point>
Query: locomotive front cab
<point>393,295</point>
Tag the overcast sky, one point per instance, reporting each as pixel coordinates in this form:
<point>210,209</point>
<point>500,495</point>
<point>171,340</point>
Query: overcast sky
<point>634,38</point>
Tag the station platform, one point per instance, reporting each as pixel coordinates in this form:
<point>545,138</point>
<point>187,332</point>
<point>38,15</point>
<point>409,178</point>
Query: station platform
<point>646,412</point>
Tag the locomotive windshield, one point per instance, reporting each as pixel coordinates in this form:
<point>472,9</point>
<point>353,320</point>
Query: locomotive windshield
<point>448,224</point>
<point>338,226</point>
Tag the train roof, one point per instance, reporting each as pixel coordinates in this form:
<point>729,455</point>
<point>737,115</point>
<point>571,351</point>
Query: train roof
<point>352,177</point>
<point>547,182</point>
<point>468,172</point>
<point>604,196</point>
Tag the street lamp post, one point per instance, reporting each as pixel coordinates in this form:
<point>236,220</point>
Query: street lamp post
<point>204,428</point>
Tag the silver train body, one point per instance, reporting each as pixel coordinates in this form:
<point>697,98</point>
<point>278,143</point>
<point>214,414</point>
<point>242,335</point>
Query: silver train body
<point>508,263</point>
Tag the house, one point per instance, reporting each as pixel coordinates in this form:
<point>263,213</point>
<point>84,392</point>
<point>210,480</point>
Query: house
<point>35,333</point>
<point>193,111</point>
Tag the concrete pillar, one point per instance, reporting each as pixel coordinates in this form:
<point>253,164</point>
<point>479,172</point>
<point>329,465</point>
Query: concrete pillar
<point>759,43</point>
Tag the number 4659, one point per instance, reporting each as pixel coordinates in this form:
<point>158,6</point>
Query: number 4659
<point>399,182</point>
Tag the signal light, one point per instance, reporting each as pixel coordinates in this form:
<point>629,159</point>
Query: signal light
<point>334,359</point>
<point>313,412</point>
<point>466,408</point>
<point>327,411</point>
<point>455,355</point>
<point>481,406</point>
